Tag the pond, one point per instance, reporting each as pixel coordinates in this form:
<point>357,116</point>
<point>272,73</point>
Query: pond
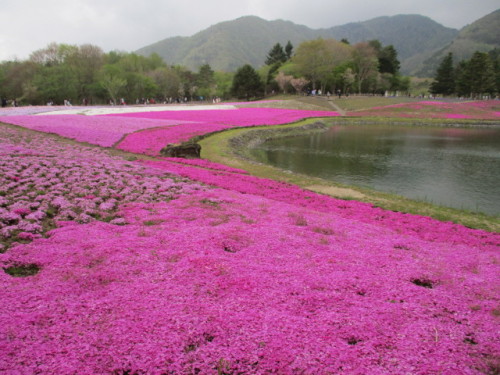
<point>449,166</point>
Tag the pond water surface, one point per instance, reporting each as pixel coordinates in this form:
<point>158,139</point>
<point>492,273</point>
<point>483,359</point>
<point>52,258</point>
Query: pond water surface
<point>448,166</point>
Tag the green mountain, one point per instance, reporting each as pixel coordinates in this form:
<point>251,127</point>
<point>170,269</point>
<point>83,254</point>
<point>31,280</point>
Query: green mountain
<point>482,35</point>
<point>409,34</point>
<point>228,45</point>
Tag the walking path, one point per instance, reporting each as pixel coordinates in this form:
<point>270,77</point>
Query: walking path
<point>337,108</point>
<point>322,101</point>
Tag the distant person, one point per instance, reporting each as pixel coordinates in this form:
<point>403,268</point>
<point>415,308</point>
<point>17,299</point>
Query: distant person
<point>4,102</point>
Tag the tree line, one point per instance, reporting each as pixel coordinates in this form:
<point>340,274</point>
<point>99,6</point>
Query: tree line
<point>326,66</point>
<point>475,78</point>
<point>86,74</point>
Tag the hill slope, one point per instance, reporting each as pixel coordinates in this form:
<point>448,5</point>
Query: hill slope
<point>228,45</point>
<point>482,35</point>
<point>409,34</point>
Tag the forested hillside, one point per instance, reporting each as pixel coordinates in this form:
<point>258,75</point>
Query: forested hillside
<point>228,45</point>
<point>482,35</point>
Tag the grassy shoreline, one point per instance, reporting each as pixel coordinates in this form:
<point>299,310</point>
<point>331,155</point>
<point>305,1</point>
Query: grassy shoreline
<point>219,148</point>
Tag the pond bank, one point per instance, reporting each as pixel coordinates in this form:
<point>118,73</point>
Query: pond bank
<point>231,148</point>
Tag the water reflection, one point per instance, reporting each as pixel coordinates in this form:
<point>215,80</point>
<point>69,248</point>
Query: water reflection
<point>456,167</point>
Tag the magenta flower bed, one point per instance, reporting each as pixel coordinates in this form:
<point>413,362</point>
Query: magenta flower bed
<point>217,280</point>
<point>423,227</point>
<point>43,182</point>
<point>107,130</point>
<point>151,141</point>
<point>482,110</point>
<point>235,117</point>
<point>206,164</point>
<point>138,270</point>
<point>97,130</point>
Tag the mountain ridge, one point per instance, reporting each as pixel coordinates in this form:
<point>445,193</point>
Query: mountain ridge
<point>246,40</point>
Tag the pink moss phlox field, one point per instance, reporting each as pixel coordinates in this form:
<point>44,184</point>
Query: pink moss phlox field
<point>457,115</point>
<point>234,117</point>
<point>482,110</point>
<point>223,282</point>
<point>97,130</point>
<point>206,164</point>
<point>423,227</point>
<point>144,269</point>
<point>43,182</point>
<point>200,122</point>
<point>151,141</point>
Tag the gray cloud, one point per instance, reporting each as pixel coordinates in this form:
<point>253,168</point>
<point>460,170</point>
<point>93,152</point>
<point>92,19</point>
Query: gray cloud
<point>28,25</point>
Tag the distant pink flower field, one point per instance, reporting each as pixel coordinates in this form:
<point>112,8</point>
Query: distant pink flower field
<point>164,127</point>
<point>481,110</point>
<point>194,123</point>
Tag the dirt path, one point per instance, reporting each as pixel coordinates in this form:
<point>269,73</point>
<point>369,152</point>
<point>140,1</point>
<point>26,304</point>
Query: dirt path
<point>323,102</point>
<point>337,108</point>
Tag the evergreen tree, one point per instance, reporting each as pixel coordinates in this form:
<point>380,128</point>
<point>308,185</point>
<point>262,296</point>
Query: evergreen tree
<point>205,76</point>
<point>247,83</point>
<point>205,81</point>
<point>289,50</point>
<point>482,74</point>
<point>462,79</point>
<point>388,60</point>
<point>495,58</point>
<point>276,55</point>
<point>444,81</point>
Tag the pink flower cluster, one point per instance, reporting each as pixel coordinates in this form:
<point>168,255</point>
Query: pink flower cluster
<point>203,163</point>
<point>151,141</point>
<point>481,110</point>
<point>39,188</point>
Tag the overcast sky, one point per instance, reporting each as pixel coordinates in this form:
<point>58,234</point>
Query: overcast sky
<point>127,25</point>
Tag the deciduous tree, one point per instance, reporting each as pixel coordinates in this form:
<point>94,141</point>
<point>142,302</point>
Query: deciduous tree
<point>283,81</point>
<point>316,59</point>
<point>168,82</point>
<point>298,84</point>
<point>365,62</point>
